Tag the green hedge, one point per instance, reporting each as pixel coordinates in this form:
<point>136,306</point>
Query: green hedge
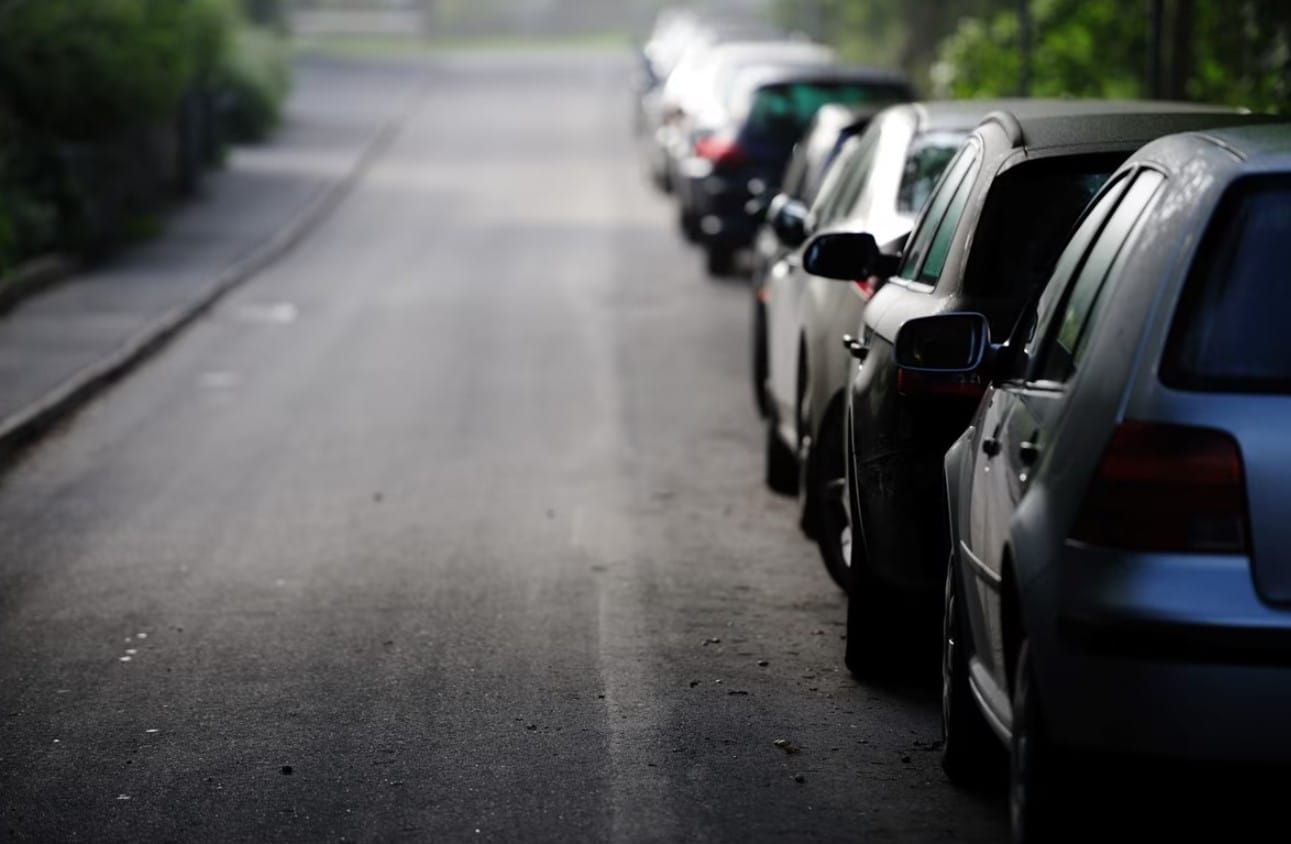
<point>253,81</point>
<point>81,69</point>
<point>108,105</point>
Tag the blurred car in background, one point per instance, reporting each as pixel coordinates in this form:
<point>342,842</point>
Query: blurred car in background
<point>1120,576</point>
<point>674,28</point>
<point>986,240</point>
<point>684,85</point>
<point>879,185</point>
<point>739,148</point>
<point>810,162</point>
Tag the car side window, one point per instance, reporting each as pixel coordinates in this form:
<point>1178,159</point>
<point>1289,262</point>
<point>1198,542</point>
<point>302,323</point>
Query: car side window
<point>851,176</point>
<point>940,247</point>
<point>1067,332</point>
<point>795,174</point>
<point>1071,259</point>
<point>937,205</point>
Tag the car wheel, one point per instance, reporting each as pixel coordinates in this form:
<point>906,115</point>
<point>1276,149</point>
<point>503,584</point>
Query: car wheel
<point>1033,788</point>
<point>967,741</point>
<point>829,500</point>
<point>688,222</point>
<point>781,465</point>
<point>659,178</point>
<point>869,600</point>
<point>868,615</point>
<point>719,261</point>
<point>760,356</point>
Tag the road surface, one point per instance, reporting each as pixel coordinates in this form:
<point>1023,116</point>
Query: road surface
<point>449,526</point>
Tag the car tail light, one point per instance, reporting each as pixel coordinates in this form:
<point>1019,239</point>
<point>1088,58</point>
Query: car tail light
<point>720,151</point>
<point>939,386</point>
<point>867,288</point>
<point>1167,488</point>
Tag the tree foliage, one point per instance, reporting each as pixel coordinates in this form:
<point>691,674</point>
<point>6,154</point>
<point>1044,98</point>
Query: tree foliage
<point>1080,48</point>
<point>1236,52</point>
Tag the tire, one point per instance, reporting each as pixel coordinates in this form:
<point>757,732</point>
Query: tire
<point>688,222</point>
<point>868,624</point>
<point>659,178</point>
<point>1034,790</point>
<point>969,750</point>
<point>828,512</point>
<point>759,364</point>
<point>719,261</point>
<point>781,464</point>
<point>870,602</point>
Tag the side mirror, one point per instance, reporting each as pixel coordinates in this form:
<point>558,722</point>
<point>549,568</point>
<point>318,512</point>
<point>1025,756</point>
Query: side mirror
<point>847,256</point>
<point>946,343</point>
<point>788,219</point>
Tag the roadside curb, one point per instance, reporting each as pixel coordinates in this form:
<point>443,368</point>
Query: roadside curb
<point>32,277</point>
<point>26,426</point>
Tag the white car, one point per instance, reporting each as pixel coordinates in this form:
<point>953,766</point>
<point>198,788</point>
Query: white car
<point>878,184</point>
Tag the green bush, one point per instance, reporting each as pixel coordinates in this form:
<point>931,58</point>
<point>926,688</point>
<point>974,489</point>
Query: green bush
<point>109,106</point>
<point>84,69</point>
<point>253,82</point>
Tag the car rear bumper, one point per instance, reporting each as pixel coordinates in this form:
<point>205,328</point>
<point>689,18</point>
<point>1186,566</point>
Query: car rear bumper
<point>721,205</point>
<point>1170,655</point>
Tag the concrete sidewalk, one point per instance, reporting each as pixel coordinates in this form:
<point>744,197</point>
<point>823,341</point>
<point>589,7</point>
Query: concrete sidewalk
<point>58,347</point>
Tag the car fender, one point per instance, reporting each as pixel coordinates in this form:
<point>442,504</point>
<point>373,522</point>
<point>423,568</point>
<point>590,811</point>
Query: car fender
<point>956,457</point>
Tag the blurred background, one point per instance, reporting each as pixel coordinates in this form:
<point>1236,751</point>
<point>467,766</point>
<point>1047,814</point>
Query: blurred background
<point>108,107</point>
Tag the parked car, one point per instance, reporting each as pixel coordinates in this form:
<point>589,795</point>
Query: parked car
<point>740,147</point>
<point>879,185</point>
<point>1120,578</point>
<point>690,86</point>
<point>803,178</point>
<point>985,241</point>
<point>674,29</point>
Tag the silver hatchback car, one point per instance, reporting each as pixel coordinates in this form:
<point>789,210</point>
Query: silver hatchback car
<point>1120,573</point>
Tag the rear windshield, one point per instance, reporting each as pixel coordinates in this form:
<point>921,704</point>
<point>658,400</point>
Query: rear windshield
<point>1025,223</point>
<point>1231,331</point>
<point>928,157</point>
<point>783,111</point>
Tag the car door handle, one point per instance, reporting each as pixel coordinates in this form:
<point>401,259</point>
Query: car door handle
<point>855,347</point>
<point>990,446</point>
<point>1029,452</point>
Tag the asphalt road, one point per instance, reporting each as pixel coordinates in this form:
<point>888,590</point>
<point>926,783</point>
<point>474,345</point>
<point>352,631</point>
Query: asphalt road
<point>450,526</point>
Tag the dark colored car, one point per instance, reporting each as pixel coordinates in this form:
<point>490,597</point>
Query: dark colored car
<point>985,242</point>
<point>741,148</point>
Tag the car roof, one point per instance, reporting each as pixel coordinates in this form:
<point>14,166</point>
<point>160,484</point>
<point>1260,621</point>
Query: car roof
<point>1040,124</point>
<point>771,51</point>
<point>952,115</point>
<point>774,73</point>
<point>838,117</point>
<point>1254,142</point>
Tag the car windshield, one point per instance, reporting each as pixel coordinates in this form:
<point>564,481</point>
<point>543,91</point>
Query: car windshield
<point>1231,330</point>
<point>782,111</point>
<point>928,157</point>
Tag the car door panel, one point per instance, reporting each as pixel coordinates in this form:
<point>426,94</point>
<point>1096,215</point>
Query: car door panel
<point>784,292</point>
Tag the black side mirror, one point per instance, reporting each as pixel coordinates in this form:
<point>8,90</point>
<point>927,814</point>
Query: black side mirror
<point>788,219</point>
<point>946,343</point>
<point>847,256</point>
